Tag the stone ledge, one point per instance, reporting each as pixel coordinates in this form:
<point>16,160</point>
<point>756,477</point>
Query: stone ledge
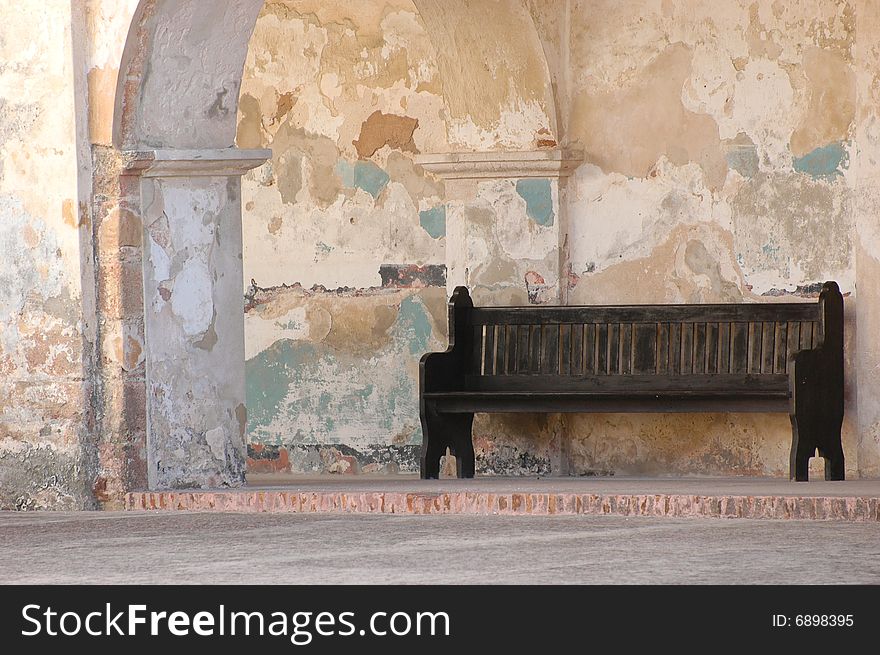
<point>224,162</point>
<point>500,165</point>
<point>819,508</point>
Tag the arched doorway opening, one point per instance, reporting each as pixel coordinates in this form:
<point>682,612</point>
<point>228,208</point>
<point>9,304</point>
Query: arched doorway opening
<point>176,123</point>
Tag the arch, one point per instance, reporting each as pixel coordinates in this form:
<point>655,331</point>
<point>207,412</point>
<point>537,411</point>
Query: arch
<point>175,120</point>
<point>183,62</point>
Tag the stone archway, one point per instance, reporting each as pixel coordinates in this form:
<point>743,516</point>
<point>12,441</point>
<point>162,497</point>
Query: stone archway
<point>175,126</point>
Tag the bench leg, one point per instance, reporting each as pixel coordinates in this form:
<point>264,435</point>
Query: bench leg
<point>834,466</point>
<point>831,447</point>
<point>816,427</point>
<point>442,431</point>
<point>801,452</point>
<point>434,444</point>
<point>465,462</point>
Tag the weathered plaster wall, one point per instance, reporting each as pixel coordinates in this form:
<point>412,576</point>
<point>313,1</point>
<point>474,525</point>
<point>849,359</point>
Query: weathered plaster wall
<point>718,141</point>
<point>498,90</point>
<point>731,154</point>
<point>344,237</point>
<point>47,456</point>
<point>119,399</point>
<point>196,416</point>
<point>864,177</point>
<point>346,242</point>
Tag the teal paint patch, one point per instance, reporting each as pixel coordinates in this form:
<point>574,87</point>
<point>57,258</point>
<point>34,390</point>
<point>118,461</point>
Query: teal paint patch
<point>539,200</point>
<point>827,161</point>
<point>363,175</point>
<point>268,376</point>
<point>301,392</point>
<point>434,221</point>
<point>414,325</point>
<point>743,159</point>
<point>370,178</point>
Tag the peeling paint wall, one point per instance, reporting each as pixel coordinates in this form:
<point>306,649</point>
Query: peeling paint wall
<point>717,144</point>
<point>345,95</point>
<point>344,236</point>
<point>47,450</point>
<point>717,140</point>
<point>119,397</point>
<point>731,154</point>
<point>192,271</point>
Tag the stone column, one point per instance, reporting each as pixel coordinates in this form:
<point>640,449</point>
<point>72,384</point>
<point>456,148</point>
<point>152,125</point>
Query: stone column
<point>504,189</point>
<point>505,239</point>
<point>194,314</point>
<point>864,179</point>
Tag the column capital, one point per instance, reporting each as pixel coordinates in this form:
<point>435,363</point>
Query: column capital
<point>225,162</point>
<point>554,164</point>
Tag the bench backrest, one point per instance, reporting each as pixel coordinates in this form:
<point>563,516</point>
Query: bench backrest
<point>727,344</point>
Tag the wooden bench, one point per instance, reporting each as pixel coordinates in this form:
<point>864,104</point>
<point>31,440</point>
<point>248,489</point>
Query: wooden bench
<point>767,357</point>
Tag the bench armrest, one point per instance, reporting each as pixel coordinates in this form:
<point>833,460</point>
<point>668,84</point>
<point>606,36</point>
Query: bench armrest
<point>445,371</point>
<point>822,367</point>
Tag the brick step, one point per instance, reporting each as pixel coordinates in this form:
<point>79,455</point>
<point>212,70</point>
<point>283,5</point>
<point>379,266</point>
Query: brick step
<point>784,507</point>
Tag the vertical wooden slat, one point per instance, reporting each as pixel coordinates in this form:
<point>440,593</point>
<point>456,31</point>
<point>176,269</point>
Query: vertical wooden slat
<point>687,348</point>
<point>793,342</point>
<point>699,348</point>
<point>535,334</point>
<point>779,347</point>
<point>644,348</point>
<point>602,349</point>
<point>577,349</point>
<point>501,350</point>
<point>712,348</point>
<point>768,347</point>
<point>739,356</point>
<point>756,340</point>
<point>724,348</point>
<point>489,350</point>
<point>816,333</point>
<point>522,349</point>
<point>549,363</point>
<point>613,349</point>
<point>662,348</point>
<point>564,358</point>
<point>591,340</point>
<point>806,335</point>
<point>675,348</point>
<point>626,346</point>
<point>632,348</point>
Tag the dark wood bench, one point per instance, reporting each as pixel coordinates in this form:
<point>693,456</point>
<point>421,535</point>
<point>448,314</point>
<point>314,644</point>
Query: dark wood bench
<point>767,357</point>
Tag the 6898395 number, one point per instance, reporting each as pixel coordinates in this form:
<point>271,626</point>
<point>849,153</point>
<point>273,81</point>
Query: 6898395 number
<point>814,621</point>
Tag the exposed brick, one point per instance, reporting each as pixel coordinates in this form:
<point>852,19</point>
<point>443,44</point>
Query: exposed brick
<point>406,276</point>
<point>531,504</point>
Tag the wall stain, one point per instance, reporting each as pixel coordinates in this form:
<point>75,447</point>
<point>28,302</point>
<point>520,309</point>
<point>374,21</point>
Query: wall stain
<point>539,200</point>
<point>390,130</point>
<point>824,162</point>
<point>434,221</point>
<point>363,175</point>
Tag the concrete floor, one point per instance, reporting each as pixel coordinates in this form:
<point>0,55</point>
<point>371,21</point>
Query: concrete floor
<point>140,547</point>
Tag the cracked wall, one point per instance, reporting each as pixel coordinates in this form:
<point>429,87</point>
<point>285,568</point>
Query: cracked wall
<point>717,139</point>
<point>47,450</point>
<point>731,155</point>
<point>344,236</point>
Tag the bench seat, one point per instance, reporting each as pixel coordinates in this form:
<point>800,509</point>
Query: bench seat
<point>685,401</point>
